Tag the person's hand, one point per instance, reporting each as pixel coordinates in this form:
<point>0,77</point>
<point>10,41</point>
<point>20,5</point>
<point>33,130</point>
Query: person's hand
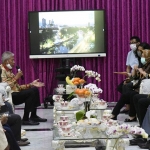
<point>124,82</point>
<point>18,75</point>
<point>136,67</point>
<point>127,80</point>
<point>4,119</point>
<point>140,70</point>
<point>129,74</point>
<point>36,83</point>
<point>4,130</point>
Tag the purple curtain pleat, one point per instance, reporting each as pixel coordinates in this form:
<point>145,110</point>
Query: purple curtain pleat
<point>124,18</point>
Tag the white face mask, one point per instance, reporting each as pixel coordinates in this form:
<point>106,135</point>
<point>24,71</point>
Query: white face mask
<point>139,53</point>
<point>143,61</point>
<point>133,47</point>
<point>9,66</point>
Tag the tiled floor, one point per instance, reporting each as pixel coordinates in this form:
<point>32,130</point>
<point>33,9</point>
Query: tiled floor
<point>42,135</point>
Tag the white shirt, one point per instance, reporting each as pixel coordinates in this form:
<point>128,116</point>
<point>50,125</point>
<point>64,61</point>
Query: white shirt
<point>3,140</point>
<point>131,59</point>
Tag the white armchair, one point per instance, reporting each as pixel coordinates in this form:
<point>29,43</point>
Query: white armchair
<point>5,91</point>
<point>145,87</point>
<point>9,97</point>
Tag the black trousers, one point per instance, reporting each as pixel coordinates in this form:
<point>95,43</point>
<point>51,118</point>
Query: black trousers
<point>123,88</point>
<point>126,98</point>
<point>29,96</point>
<point>11,139</point>
<point>14,122</point>
<point>141,103</point>
<point>127,87</point>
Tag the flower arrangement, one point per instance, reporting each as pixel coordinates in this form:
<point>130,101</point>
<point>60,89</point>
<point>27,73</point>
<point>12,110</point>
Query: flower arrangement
<point>88,73</point>
<point>76,81</point>
<point>93,88</point>
<point>85,115</point>
<point>124,129</point>
<point>116,131</point>
<point>83,93</point>
<point>77,68</point>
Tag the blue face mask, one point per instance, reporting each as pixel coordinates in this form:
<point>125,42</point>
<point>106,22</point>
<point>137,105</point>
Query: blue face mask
<point>143,61</point>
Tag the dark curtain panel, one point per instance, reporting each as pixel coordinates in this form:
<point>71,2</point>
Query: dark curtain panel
<point>124,18</point>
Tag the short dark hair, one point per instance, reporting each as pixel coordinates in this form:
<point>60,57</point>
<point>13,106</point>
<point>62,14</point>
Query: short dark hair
<point>136,38</point>
<point>144,45</point>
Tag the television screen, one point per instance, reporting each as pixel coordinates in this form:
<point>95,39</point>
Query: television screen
<point>62,34</point>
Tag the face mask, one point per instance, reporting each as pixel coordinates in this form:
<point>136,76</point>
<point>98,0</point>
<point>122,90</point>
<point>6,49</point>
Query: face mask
<point>139,53</point>
<point>133,47</point>
<point>9,66</point>
<point>143,61</point>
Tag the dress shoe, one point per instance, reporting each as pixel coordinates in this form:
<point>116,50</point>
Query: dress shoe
<point>136,141</point>
<point>144,145</point>
<point>30,122</point>
<point>114,118</point>
<point>129,120</point>
<point>21,143</point>
<point>135,136</point>
<point>100,147</point>
<point>124,111</point>
<point>38,119</point>
<point>24,139</point>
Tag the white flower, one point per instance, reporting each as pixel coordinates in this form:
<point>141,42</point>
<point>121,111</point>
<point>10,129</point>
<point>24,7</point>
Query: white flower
<point>103,126</point>
<point>145,135</point>
<point>89,73</point>
<point>111,130</point>
<point>132,130</point>
<point>82,68</point>
<point>72,69</point>
<point>97,90</point>
<point>77,68</point>
<point>97,78</point>
<point>98,75</point>
<point>89,113</point>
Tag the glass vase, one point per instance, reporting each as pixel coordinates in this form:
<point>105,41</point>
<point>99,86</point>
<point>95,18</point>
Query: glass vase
<point>87,106</point>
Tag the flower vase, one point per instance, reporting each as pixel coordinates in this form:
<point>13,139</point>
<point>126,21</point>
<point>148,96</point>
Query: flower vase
<point>95,97</point>
<point>87,106</point>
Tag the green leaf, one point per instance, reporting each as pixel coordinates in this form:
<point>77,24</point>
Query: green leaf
<point>70,95</point>
<point>80,115</point>
<point>92,116</point>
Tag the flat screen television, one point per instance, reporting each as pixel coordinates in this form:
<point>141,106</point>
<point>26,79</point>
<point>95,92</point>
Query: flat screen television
<point>67,34</point>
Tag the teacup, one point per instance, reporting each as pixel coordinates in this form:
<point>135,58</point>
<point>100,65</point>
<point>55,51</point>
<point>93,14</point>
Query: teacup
<point>63,123</point>
<point>102,102</point>
<point>107,117</point>
<point>57,98</point>
<point>60,85</point>
<point>64,104</point>
<point>66,128</point>
<point>64,118</point>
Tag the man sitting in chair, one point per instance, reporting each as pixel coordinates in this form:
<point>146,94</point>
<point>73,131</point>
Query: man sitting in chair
<point>27,93</point>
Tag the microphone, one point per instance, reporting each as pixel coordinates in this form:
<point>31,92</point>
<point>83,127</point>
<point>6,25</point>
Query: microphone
<point>18,68</point>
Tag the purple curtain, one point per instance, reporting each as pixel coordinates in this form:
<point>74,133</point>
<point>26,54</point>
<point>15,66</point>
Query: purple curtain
<point>124,18</point>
